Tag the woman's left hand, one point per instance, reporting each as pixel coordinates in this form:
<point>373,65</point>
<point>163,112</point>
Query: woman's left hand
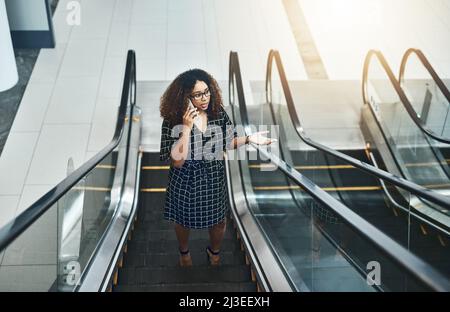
<point>260,139</point>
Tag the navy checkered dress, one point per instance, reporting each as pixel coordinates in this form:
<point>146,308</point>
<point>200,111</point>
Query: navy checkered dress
<point>196,195</point>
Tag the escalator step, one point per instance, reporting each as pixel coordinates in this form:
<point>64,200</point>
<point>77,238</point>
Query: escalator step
<point>151,260</point>
<point>191,287</point>
<point>152,158</point>
<point>168,246</point>
<point>169,235</point>
<point>171,259</point>
<point>200,274</point>
<point>158,223</point>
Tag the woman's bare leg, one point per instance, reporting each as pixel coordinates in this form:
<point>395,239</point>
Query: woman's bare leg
<point>216,234</point>
<point>183,243</point>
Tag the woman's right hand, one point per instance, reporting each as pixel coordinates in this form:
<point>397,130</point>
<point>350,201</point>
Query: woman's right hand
<point>189,116</point>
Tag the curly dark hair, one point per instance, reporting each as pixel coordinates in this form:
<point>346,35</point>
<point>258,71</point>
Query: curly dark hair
<point>174,101</point>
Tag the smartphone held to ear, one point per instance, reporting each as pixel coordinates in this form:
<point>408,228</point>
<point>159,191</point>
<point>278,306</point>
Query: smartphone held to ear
<point>191,106</point>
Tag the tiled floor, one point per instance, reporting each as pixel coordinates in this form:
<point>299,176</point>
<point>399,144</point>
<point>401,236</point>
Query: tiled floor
<point>10,99</point>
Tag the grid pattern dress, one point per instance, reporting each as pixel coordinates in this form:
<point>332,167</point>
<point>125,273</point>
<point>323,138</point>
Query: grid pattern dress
<point>196,194</point>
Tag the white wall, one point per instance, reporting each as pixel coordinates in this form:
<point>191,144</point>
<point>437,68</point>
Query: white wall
<point>344,30</point>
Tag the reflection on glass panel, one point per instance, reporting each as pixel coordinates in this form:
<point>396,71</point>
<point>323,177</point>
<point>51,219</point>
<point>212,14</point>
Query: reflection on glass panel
<point>84,214</point>
<point>416,154</point>
<point>29,263</point>
<point>52,253</point>
<point>318,249</point>
<point>425,96</point>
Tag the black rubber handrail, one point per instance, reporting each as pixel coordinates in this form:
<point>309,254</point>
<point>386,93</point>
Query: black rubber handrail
<point>411,263</point>
<point>24,220</point>
<point>423,59</point>
<point>401,94</point>
<point>415,189</point>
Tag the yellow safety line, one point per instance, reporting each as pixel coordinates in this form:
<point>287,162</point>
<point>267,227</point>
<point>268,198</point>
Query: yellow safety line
<point>329,189</point>
<point>261,166</point>
<point>367,150</point>
<point>274,188</point>
<point>155,167</point>
<point>153,190</point>
<point>425,164</point>
<point>105,167</point>
<point>353,188</point>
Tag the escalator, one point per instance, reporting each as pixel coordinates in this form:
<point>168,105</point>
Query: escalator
<point>429,96</point>
<point>376,195</point>
<point>101,228</point>
<point>151,260</point>
<point>304,228</point>
<point>406,145</point>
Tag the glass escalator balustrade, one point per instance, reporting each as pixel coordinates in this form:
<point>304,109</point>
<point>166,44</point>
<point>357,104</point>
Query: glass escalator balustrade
<point>430,97</point>
<point>381,203</point>
<point>417,155</point>
<point>312,262</point>
<point>317,248</point>
<point>425,94</point>
<point>54,252</point>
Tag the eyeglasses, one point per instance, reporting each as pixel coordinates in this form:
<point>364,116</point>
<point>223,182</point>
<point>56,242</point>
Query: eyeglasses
<point>198,96</point>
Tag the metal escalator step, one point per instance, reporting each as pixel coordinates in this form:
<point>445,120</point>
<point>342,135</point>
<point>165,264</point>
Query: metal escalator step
<point>168,246</point>
<point>169,235</point>
<point>171,259</point>
<point>151,214</point>
<point>152,201</point>
<point>160,224</point>
<point>157,219</point>
<point>191,287</point>
<point>152,158</point>
<point>148,219</point>
<point>179,275</point>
